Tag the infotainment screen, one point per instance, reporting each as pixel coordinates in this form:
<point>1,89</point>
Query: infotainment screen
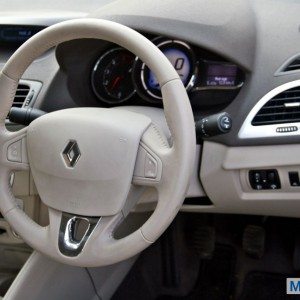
<point>220,74</point>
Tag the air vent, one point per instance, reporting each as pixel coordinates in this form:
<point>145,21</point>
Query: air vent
<point>21,94</point>
<point>283,108</point>
<point>293,66</point>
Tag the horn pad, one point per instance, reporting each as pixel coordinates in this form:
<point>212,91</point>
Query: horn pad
<point>83,159</point>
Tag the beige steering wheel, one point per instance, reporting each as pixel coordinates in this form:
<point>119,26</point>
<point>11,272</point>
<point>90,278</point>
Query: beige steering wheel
<point>84,161</point>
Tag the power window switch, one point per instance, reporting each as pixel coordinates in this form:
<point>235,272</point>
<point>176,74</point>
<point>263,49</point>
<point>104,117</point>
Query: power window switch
<point>294,178</point>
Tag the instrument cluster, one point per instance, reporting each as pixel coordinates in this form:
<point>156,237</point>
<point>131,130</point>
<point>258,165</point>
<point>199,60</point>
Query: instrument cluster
<point>118,74</point>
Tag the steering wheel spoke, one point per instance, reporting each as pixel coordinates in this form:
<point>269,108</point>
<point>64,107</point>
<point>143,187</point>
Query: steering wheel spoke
<point>75,233</point>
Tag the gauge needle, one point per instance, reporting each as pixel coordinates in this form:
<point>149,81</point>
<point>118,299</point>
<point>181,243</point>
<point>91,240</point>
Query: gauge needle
<point>115,82</point>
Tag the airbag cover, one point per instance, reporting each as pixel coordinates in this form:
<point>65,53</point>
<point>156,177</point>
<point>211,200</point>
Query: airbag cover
<point>99,182</point>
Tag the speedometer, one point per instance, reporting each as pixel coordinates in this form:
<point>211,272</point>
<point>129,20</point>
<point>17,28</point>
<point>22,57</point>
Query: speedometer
<point>181,57</point>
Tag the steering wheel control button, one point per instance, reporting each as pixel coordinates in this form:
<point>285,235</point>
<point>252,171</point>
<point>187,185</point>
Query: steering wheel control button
<point>150,166</point>
<point>71,154</point>
<point>14,151</point>
<point>264,179</point>
<point>294,179</point>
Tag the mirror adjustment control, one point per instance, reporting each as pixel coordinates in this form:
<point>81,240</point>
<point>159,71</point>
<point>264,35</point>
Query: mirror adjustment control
<point>264,179</point>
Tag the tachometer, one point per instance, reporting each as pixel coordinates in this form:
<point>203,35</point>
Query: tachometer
<point>182,58</point>
<point>111,76</point>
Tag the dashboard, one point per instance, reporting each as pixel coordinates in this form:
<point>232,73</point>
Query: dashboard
<point>113,76</point>
<point>230,55</point>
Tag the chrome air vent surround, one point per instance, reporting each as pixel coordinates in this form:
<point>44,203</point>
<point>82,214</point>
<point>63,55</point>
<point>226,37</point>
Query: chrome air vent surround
<point>281,109</point>
<point>283,121</point>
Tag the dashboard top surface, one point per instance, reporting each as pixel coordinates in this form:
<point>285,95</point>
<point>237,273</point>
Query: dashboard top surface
<point>255,35</point>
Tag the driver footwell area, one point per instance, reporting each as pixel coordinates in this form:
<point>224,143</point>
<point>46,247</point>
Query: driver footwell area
<point>214,257</point>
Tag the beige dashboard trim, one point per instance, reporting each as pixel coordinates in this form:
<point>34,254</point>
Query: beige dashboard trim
<point>224,175</point>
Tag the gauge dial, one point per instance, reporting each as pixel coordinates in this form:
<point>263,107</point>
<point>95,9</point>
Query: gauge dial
<point>181,57</point>
<point>111,76</point>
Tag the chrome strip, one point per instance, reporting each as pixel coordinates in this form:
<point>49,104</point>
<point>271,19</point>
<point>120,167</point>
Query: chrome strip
<point>292,104</point>
<point>248,131</point>
<point>69,243</point>
<point>66,244</point>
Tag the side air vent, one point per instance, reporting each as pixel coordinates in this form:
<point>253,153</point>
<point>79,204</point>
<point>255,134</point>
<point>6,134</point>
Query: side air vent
<point>282,108</point>
<point>21,95</point>
<point>294,65</point>
<point>26,93</point>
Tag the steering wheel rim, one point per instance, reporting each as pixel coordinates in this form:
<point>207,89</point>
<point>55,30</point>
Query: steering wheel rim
<point>175,162</point>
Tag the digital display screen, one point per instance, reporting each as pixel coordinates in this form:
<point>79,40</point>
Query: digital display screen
<point>180,62</point>
<point>221,75</point>
<point>17,34</point>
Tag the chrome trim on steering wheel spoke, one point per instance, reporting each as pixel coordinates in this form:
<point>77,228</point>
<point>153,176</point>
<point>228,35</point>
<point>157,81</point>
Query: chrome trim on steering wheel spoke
<point>67,243</point>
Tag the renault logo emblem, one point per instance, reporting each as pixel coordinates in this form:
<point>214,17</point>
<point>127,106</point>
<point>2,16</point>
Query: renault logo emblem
<point>71,154</point>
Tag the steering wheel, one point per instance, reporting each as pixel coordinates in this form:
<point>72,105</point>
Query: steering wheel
<point>85,161</point>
